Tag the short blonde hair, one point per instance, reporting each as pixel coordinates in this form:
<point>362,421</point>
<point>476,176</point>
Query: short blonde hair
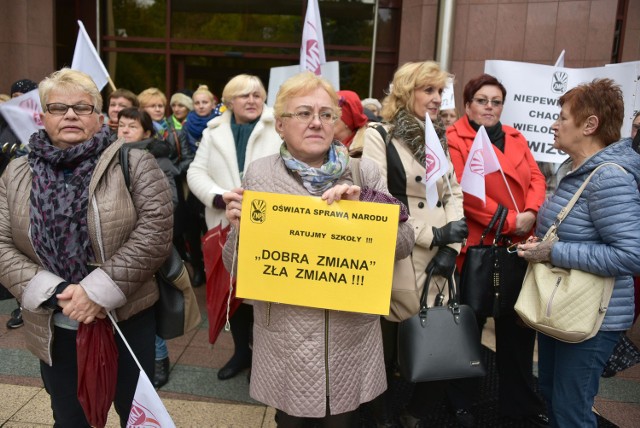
<point>67,80</point>
<point>145,96</point>
<point>301,84</point>
<point>406,79</point>
<point>242,84</point>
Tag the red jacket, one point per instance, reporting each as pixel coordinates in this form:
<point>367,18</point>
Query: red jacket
<point>520,169</point>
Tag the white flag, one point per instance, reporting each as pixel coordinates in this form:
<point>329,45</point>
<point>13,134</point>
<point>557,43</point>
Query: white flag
<point>23,115</point>
<point>436,160</point>
<point>147,410</point>
<point>87,60</point>
<point>312,49</point>
<point>482,160</point>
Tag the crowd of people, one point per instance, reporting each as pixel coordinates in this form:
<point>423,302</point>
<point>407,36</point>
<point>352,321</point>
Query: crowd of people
<point>76,243</point>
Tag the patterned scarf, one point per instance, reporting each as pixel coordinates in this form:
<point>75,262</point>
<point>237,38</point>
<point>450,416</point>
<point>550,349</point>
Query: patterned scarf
<point>162,128</point>
<point>410,130</point>
<point>318,180</point>
<point>59,201</point>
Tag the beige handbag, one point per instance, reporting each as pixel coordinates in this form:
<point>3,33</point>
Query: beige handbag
<point>566,304</point>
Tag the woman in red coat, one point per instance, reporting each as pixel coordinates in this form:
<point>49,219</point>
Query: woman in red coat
<point>484,99</point>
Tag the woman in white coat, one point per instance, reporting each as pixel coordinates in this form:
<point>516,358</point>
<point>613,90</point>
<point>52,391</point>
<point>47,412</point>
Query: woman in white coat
<point>243,133</point>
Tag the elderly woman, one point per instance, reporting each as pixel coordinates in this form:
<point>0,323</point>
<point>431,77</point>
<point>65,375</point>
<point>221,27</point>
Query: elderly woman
<point>243,133</point>
<point>484,98</point>
<point>600,235</point>
<point>318,382</point>
<point>76,243</point>
<point>398,147</point>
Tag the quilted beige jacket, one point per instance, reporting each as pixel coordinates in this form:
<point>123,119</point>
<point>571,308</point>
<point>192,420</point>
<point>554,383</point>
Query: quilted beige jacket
<point>303,355</point>
<point>130,233</point>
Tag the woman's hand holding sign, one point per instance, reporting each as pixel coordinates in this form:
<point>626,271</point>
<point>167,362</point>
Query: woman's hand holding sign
<point>342,191</point>
<point>233,211</point>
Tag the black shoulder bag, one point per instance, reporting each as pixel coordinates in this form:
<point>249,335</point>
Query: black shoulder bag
<point>491,276</point>
<point>177,309</point>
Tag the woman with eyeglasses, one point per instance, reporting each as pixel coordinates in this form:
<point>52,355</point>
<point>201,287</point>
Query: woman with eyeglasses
<point>315,366</point>
<point>484,98</point>
<point>76,243</point>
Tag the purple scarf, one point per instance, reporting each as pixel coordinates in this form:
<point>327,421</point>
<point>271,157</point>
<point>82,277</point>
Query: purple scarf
<point>59,202</point>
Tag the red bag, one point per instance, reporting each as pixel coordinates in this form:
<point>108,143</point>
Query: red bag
<point>220,291</point>
<point>97,370</point>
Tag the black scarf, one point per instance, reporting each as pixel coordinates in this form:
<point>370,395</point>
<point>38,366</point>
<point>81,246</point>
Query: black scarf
<point>495,133</point>
<point>410,130</point>
<point>59,201</point>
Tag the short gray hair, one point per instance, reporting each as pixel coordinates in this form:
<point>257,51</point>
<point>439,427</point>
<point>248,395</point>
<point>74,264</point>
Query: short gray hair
<point>68,80</point>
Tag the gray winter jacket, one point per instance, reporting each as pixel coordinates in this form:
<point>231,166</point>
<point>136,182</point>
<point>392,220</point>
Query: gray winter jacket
<point>601,234</point>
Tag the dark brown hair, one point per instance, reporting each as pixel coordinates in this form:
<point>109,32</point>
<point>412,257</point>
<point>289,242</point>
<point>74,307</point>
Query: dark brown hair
<point>126,94</point>
<point>140,115</point>
<point>476,83</point>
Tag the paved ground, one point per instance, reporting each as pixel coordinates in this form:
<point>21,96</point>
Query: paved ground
<point>196,398</point>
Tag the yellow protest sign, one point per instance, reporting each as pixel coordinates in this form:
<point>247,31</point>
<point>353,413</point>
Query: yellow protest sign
<point>301,251</point>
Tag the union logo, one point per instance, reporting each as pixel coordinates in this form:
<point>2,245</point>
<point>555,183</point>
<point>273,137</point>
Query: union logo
<point>32,108</point>
<point>432,162</point>
<point>141,417</point>
<point>258,211</point>
<point>559,82</point>
<point>477,163</point>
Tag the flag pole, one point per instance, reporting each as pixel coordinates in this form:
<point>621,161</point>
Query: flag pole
<point>509,190</point>
<point>113,86</point>
<point>115,325</point>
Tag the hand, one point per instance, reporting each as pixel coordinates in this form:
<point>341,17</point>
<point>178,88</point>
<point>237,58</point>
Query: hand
<point>75,304</point>
<point>233,210</point>
<point>524,222</point>
<point>450,233</point>
<point>342,191</point>
<point>536,252</point>
<point>444,262</point>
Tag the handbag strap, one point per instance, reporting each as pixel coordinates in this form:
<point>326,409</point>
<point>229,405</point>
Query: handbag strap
<point>553,230</point>
<point>492,222</point>
<point>453,303</point>
<point>503,218</point>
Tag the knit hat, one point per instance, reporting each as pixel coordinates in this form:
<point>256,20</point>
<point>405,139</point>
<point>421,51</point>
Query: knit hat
<point>23,86</point>
<point>181,98</point>
<point>352,112</point>
<point>372,101</point>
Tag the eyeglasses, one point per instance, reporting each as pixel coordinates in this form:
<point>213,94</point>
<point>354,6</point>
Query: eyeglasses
<point>60,109</point>
<point>306,116</point>
<point>484,102</point>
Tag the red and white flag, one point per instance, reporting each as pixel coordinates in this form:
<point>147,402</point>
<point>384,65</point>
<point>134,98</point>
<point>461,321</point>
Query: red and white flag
<point>147,410</point>
<point>23,115</point>
<point>482,160</point>
<point>437,163</point>
<point>87,60</point>
<point>312,49</point>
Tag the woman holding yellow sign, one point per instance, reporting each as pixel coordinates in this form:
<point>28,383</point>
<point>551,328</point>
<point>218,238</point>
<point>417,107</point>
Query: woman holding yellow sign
<point>311,363</point>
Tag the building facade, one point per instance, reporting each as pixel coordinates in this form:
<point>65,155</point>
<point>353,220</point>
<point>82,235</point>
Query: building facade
<point>176,44</point>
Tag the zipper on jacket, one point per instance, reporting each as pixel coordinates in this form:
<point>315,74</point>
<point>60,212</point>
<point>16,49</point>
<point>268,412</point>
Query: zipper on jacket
<point>555,289</point>
<point>268,315</point>
<point>326,350</point>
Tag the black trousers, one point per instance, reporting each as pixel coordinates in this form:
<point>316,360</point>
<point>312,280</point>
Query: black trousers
<point>61,379</point>
<point>514,358</point>
<point>343,420</point>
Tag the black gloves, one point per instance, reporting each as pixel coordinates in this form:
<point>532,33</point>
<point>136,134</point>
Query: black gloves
<point>444,262</point>
<point>452,232</point>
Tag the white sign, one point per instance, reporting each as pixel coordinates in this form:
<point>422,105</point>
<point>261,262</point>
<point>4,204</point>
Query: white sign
<point>330,71</point>
<point>533,91</point>
<point>448,97</point>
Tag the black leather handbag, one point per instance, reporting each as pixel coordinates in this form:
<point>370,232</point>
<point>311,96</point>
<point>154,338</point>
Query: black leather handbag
<point>491,276</point>
<point>440,342</point>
